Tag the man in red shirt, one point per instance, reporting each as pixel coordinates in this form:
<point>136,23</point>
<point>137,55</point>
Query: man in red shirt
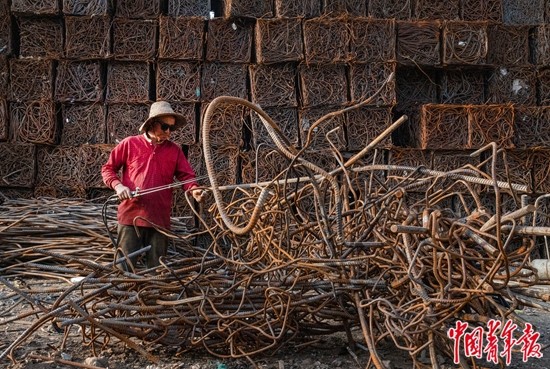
<point>148,160</point>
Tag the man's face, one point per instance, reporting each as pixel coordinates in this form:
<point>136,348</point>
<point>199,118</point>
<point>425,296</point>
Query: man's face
<point>163,126</point>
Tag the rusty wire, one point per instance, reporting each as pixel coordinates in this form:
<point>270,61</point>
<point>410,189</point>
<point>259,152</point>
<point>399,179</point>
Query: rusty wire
<point>542,44</point>
<point>541,171</point>
<point>418,42</point>
<point>262,164</point>
<point>30,79</point>
<point>273,85</point>
<point>59,166</point>
<point>531,126</point>
<point>336,125</point>
<point>187,8</point>
<point>181,37</point>
<point>138,9</point>
<point>83,123</point>
<point>122,118</point>
<point>465,43</point>
<point>383,9</point>
<point>508,45</point>
<point>228,122</point>
<point>515,165</point>
<point>40,37</point>
<point>348,8</point>
<point>85,7</point>
<point>17,165</point>
<point>425,9</point>
<point>35,7</point>
<point>78,81</point>
<point>296,9</point>
<point>491,123</point>
<point>302,255</point>
<point>279,40</point>
<point>127,82</point>
<point>4,119</point>
<point>87,36</point>
<point>512,84</point>
<point>372,40</point>
<point>323,84</point>
<point>364,124</point>
<point>475,10</point>
<point>223,79</point>
<point>248,9</point>
<point>444,126</point>
<point>229,41</point>
<point>285,117</point>
<point>186,135</point>
<point>92,159</point>
<point>4,71</point>
<point>462,88</point>
<point>134,39</point>
<point>34,122</point>
<point>326,40</point>
<point>5,28</point>
<point>367,78</point>
<point>178,81</point>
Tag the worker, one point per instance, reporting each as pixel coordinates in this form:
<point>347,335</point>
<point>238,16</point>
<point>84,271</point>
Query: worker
<point>148,160</point>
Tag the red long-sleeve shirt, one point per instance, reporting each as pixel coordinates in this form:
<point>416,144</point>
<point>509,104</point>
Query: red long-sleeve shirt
<point>146,165</point>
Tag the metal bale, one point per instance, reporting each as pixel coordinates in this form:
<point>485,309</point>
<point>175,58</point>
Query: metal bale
<point>531,126</point>
<point>326,40</point>
<point>86,7</point>
<point>384,9</point>
<point>87,37</point>
<point>83,123</point>
<point>181,38</point>
<point>465,43</point>
<point>297,9</point>
<point>79,81</point>
<point>279,40</point>
<point>273,85</point>
<point>123,120</point>
<point>17,168</point>
<point>188,8</point>
<point>229,41</point>
<point>40,37</point>
<point>146,9</point>
<point>508,45</point>
<point>219,79</point>
<point>34,122</point>
<point>31,79</point>
<point>372,40</point>
<point>127,82</point>
<point>490,123</point>
<point>323,84</point>
<point>135,39</point>
<point>418,42</point>
<point>178,81</point>
<point>444,126</point>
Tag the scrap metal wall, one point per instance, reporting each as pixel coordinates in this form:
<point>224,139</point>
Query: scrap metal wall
<point>78,76</point>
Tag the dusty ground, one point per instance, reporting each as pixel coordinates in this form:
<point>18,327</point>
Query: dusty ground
<point>330,352</point>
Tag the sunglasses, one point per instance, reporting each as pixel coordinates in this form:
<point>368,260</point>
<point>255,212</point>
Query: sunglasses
<point>165,127</point>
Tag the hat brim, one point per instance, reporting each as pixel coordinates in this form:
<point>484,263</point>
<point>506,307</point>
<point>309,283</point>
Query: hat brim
<point>180,121</point>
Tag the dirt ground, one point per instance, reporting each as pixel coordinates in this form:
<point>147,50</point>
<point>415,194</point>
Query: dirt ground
<point>329,352</point>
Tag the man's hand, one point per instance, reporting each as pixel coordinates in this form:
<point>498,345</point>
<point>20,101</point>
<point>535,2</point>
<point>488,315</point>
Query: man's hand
<point>197,194</point>
<point>123,192</point>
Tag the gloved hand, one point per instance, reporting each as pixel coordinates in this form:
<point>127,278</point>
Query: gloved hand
<point>197,194</point>
<point>123,192</point>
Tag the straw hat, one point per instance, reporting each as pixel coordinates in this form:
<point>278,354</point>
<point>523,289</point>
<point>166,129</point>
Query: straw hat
<point>161,109</point>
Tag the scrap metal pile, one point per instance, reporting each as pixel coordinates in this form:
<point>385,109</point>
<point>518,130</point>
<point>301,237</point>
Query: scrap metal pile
<point>307,254</point>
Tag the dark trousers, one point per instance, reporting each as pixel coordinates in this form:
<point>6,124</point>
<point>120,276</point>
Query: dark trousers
<point>130,241</point>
